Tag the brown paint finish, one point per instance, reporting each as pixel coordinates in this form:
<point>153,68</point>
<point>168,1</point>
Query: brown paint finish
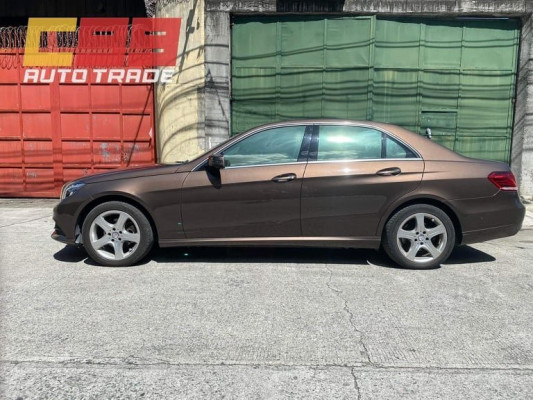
<point>348,198</point>
<point>242,202</point>
<point>315,203</point>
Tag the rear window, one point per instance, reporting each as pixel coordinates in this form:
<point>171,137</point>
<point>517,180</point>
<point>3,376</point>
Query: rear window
<point>395,149</point>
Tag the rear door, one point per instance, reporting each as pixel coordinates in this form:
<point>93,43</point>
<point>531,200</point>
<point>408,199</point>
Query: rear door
<point>256,195</point>
<point>353,174</point>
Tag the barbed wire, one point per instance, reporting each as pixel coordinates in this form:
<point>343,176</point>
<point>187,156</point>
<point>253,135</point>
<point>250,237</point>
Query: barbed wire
<point>104,46</point>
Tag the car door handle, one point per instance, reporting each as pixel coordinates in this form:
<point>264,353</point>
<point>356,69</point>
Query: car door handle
<point>389,171</point>
<point>284,178</point>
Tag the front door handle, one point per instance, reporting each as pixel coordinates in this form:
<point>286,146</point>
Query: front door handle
<point>389,171</point>
<point>284,178</point>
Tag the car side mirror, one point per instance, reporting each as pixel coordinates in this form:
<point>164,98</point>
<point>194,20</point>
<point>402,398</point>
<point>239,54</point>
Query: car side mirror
<point>216,161</point>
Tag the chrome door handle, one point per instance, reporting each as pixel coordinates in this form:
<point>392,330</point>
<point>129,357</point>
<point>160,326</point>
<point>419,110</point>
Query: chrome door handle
<point>389,171</point>
<point>284,178</point>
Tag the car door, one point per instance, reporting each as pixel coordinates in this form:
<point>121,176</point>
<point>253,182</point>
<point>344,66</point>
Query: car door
<point>257,194</point>
<point>354,172</point>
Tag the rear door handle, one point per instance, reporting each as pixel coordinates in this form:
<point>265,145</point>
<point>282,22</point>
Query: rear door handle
<point>389,171</point>
<point>284,178</point>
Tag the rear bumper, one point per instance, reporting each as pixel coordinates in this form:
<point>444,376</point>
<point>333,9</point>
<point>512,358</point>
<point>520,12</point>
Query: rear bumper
<point>490,218</point>
<point>483,235</point>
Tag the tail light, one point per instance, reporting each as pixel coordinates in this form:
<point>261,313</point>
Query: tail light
<point>504,180</point>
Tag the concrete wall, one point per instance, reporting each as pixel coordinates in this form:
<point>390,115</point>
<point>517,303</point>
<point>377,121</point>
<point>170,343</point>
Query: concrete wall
<point>194,112</point>
<point>180,120</point>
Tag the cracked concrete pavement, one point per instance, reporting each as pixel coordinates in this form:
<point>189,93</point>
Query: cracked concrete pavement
<point>260,323</point>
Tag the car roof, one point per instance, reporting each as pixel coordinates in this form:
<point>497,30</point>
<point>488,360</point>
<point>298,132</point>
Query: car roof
<point>428,149</point>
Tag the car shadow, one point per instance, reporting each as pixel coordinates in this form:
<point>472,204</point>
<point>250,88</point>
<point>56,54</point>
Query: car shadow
<point>468,255</point>
<point>71,254</point>
<point>271,255</point>
<point>274,255</point>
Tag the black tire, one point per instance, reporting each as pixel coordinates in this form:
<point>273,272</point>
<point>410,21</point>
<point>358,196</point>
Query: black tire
<point>125,234</point>
<point>414,247</point>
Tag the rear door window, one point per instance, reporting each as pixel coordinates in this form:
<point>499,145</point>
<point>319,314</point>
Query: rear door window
<point>344,142</point>
<point>340,142</point>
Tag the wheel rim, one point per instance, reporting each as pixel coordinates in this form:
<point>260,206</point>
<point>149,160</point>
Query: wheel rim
<point>421,238</point>
<point>114,235</point>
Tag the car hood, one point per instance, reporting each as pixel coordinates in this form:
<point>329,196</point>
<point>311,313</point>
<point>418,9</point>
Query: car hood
<point>130,173</point>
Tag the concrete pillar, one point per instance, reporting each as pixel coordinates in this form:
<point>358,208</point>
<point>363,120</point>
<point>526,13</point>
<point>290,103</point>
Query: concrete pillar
<point>180,104</point>
<point>217,78</point>
<point>218,63</point>
<point>522,147</point>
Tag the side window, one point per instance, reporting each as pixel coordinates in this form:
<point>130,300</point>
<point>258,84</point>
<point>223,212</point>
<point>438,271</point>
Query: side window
<point>273,146</point>
<point>340,142</point>
<point>394,149</point>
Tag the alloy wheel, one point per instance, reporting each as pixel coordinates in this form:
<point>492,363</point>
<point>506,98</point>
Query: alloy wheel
<point>421,237</point>
<point>114,235</point>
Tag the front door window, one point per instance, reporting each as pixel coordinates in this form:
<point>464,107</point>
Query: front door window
<point>272,146</point>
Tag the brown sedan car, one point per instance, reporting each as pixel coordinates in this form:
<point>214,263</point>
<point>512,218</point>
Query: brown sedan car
<point>326,183</point>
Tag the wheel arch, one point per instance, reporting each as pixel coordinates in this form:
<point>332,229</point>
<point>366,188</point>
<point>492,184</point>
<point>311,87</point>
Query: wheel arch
<point>429,201</point>
<point>115,197</point>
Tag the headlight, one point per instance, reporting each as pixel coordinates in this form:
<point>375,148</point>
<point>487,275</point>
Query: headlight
<point>70,188</point>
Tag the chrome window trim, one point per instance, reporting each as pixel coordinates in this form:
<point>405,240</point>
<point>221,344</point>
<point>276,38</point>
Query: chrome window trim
<point>317,123</point>
<point>266,165</point>
<point>365,160</point>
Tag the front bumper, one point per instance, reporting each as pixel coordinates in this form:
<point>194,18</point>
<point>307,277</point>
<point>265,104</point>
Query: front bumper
<point>65,216</point>
<point>56,235</point>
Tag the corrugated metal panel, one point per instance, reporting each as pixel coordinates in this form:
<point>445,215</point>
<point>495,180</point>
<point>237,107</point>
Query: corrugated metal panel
<point>53,133</point>
<point>455,76</point>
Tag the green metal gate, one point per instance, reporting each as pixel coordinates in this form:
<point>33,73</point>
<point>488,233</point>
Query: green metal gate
<point>456,77</point>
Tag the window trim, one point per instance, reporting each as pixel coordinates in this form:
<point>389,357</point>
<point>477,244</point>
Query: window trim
<point>314,125</point>
<point>266,165</point>
<point>364,160</point>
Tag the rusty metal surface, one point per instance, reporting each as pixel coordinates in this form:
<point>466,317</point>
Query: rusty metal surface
<point>53,133</point>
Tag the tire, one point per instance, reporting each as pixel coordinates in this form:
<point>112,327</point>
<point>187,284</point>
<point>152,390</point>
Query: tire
<point>117,234</point>
<point>420,236</point>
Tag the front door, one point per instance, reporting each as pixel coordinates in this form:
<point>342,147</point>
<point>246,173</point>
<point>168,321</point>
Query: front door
<point>256,195</point>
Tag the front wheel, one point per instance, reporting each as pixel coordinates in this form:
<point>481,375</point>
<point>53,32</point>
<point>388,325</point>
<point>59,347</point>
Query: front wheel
<point>420,236</point>
<point>117,234</point>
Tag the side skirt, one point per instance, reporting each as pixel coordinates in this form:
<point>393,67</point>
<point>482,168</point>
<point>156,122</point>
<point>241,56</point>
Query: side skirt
<point>370,242</point>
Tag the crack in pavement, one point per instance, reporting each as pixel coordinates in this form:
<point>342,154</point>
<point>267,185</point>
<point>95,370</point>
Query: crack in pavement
<point>338,293</point>
<point>129,362</point>
<point>24,222</point>
<point>355,384</point>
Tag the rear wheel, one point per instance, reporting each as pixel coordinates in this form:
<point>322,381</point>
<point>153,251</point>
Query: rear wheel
<point>117,234</point>
<point>420,236</point>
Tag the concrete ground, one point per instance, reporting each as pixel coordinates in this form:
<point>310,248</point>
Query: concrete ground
<point>251,323</point>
